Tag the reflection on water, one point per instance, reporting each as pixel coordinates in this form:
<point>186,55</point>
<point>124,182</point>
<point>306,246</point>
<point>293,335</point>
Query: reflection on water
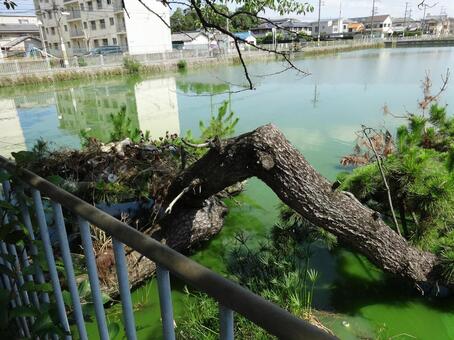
<point>12,137</point>
<point>59,116</point>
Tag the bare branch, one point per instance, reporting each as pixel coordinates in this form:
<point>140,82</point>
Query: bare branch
<point>207,144</point>
<point>366,131</point>
<point>156,14</point>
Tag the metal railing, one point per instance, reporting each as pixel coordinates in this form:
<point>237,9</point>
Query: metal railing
<point>422,37</point>
<point>76,33</point>
<point>27,66</point>
<point>74,14</point>
<point>229,295</point>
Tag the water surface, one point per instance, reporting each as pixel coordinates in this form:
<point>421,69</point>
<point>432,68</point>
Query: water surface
<point>319,114</point>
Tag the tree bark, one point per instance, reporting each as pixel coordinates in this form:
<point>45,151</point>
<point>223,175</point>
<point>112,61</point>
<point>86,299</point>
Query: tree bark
<point>187,229</point>
<point>266,154</point>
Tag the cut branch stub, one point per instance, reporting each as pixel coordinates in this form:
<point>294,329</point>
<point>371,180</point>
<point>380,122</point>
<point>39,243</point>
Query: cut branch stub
<point>266,154</point>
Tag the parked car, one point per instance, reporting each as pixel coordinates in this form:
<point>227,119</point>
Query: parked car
<point>103,50</point>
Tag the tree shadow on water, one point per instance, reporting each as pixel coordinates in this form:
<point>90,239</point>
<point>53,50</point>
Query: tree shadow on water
<point>360,284</point>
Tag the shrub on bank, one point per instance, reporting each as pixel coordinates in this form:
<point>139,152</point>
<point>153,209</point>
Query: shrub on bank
<point>131,65</point>
<point>182,65</point>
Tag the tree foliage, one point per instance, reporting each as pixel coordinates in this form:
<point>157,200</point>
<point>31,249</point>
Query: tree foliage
<point>419,166</point>
<point>194,15</point>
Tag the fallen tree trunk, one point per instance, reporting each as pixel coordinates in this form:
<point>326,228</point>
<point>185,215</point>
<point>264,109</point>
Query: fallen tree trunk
<point>266,154</point>
<point>186,230</point>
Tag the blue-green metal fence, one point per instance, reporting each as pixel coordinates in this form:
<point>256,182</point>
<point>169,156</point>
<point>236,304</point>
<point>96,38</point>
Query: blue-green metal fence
<point>26,195</point>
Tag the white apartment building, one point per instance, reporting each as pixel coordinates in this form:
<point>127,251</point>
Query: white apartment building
<point>87,24</point>
<point>329,27</point>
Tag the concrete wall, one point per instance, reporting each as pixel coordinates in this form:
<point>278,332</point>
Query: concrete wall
<point>13,19</point>
<point>145,31</point>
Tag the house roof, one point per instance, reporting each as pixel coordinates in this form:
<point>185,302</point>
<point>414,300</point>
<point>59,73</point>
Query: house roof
<point>243,35</point>
<point>19,28</point>
<point>186,36</point>
<point>283,23</point>
<point>442,17</point>
<point>402,20</point>
<point>17,41</point>
<point>377,18</point>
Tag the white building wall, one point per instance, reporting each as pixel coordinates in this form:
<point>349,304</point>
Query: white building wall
<point>199,42</point>
<point>13,19</point>
<point>145,31</point>
<point>328,27</point>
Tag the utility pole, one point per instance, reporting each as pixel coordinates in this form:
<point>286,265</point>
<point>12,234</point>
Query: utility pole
<point>341,31</point>
<point>319,11</point>
<point>59,14</point>
<point>372,20</point>
<point>425,6</point>
<point>405,19</point>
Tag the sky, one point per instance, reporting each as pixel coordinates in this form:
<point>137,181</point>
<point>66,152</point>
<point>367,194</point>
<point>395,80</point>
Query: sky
<point>330,8</point>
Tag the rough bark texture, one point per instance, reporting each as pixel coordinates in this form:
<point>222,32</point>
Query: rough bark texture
<point>266,154</point>
<point>185,230</point>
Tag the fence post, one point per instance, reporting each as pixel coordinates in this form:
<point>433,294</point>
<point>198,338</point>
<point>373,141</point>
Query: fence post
<point>226,323</point>
<point>165,301</point>
<point>125,294</point>
<point>16,65</point>
<point>93,278</point>
<point>44,232</point>
<point>33,249</point>
<point>69,270</point>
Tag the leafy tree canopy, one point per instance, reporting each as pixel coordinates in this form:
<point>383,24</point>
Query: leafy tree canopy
<point>193,15</point>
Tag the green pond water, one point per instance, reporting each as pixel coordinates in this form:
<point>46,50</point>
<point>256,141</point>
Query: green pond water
<point>319,114</point>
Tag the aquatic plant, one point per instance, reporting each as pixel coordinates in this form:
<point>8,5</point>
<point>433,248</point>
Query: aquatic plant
<point>196,325</point>
<point>131,65</point>
<point>182,65</point>
<point>278,269</point>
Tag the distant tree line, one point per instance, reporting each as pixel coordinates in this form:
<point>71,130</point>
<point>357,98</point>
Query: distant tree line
<point>187,19</point>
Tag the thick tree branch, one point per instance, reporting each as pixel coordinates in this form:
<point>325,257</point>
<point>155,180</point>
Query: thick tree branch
<point>266,154</point>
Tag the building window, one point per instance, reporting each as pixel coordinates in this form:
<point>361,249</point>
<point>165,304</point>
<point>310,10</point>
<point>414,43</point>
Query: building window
<point>96,42</point>
<point>114,41</point>
<point>66,28</point>
<point>109,2</point>
<point>47,30</point>
<point>69,44</point>
<point>102,23</point>
<point>52,30</point>
<point>81,7</point>
<point>23,21</point>
<point>111,20</point>
<point>105,42</point>
<point>56,46</point>
<point>93,25</point>
<point>99,4</point>
<point>90,6</point>
<point>85,25</point>
<point>49,14</point>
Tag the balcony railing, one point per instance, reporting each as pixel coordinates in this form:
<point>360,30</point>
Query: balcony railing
<point>22,195</point>
<point>76,33</point>
<point>74,15</point>
<point>121,28</point>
